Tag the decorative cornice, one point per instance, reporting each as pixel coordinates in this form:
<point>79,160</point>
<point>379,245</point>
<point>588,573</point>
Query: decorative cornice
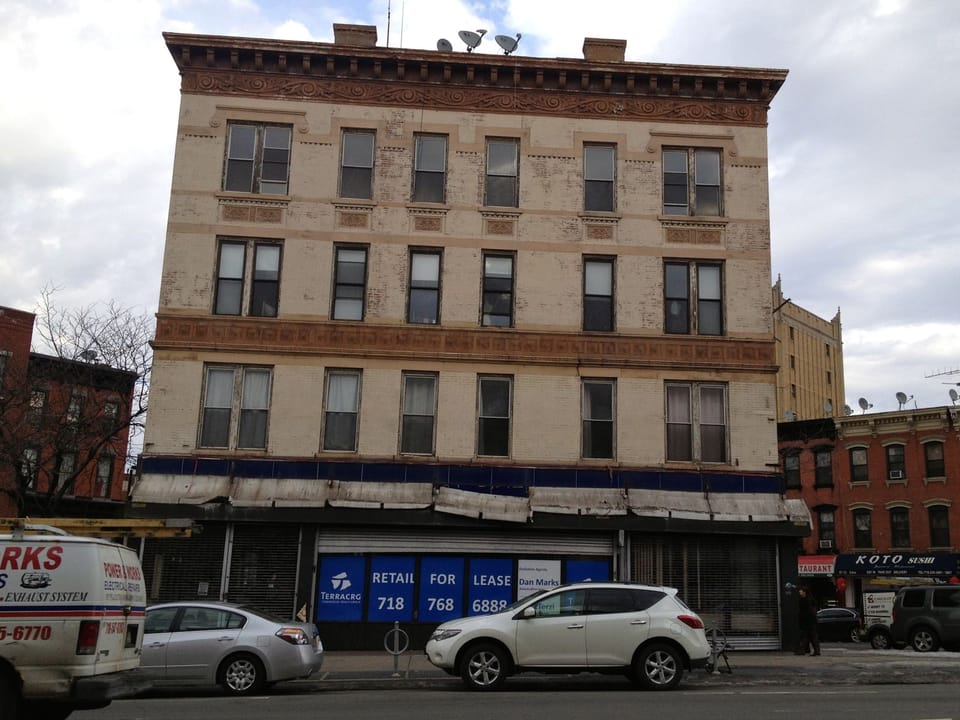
<point>467,345</point>
<point>322,72</point>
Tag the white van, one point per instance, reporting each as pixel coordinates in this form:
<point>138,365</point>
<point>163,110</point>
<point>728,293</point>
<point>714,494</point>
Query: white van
<point>71,623</point>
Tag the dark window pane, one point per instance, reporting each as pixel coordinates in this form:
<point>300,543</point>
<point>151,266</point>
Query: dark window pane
<point>239,176</point>
<point>710,321</point>
<point>423,306</point>
<point>679,445</point>
<point>713,443</point>
<point>494,437</point>
<point>428,187</point>
<point>216,427</point>
<point>678,317</point>
<point>243,140</point>
<point>253,429</point>
<point>598,313</point>
<point>356,183</point>
<point>340,431</point>
<point>501,191</point>
<point>708,200</point>
<point>229,297</point>
<point>597,439</point>
<point>417,434</point>
<point>598,196</point>
<point>263,302</point>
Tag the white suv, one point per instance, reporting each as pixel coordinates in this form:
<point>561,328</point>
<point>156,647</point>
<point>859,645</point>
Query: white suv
<point>644,631</point>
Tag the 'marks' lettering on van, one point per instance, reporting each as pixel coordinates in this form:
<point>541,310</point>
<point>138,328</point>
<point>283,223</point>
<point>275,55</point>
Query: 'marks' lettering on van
<point>26,557</point>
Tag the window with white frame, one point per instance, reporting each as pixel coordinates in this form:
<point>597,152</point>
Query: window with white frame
<point>862,528</point>
<point>859,471</point>
<point>349,282</point>
<point>104,476</point>
<point>933,459</point>
<point>236,404</point>
<point>693,297</point>
<point>419,411</point>
<point>503,162</point>
<point>598,273</point>
<point>258,158</point>
<point>826,527</point>
<point>423,303</point>
<point>696,419</point>
<point>29,468</point>
<point>899,527</point>
<point>497,290</point>
<point>341,410</point>
<point>234,278</point>
<point>430,168</point>
<point>691,182</point>
<point>599,177</point>
<point>823,467</point>
<point>356,164</point>
<point>65,467</point>
<point>598,418</point>
<point>791,471</point>
<point>939,516</point>
<point>896,463</point>
<point>495,399</point>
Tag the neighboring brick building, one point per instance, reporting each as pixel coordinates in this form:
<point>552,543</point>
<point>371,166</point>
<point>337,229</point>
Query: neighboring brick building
<point>810,381</point>
<point>63,440</point>
<point>884,493</point>
<point>433,314</point>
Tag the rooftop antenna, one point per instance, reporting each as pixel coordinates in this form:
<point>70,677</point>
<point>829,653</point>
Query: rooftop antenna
<point>507,43</point>
<point>864,405</point>
<point>443,45</point>
<point>471,39</point>
<point>953,396</point>
<point>903,399</point>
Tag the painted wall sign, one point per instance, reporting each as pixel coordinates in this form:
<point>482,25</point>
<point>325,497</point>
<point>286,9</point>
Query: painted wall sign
<point>490,586</point>
<point>441,589</point>
<point>392,582</point>
<point>340,588</point>
<point>533,575</point>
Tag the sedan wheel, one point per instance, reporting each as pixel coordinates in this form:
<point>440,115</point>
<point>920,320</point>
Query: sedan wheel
<point>854,634</point>
<point>483,667</point>
<point>924,640</point>
<point>658,667</point>
<point>241,675</point>
<point>880,640</point>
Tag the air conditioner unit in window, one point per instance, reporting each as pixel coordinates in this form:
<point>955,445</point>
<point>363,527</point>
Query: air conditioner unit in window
<point>826,544</point>
<point>896,474</point>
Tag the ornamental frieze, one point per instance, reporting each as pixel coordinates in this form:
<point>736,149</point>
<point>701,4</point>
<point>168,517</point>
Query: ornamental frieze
<point>480,99</point>
<point>467,345</point>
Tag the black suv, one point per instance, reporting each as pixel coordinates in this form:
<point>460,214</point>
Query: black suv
<point>926,617</point>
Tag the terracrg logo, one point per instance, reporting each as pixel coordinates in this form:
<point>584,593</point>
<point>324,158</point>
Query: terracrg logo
<point>340,581</point>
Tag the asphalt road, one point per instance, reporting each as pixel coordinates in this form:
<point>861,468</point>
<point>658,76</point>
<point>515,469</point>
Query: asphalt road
<point>536,700</point>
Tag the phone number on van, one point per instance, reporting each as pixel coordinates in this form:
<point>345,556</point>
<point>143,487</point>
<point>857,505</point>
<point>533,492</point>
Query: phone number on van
<point>25,632</point>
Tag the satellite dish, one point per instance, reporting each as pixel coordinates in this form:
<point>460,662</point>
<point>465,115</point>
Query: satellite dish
<point>471,39</point>
<point>790,415</point>
<point>847,410</point>
<point>864,405</point>
<point>953,396</point>
<point>443,45</point>
<point>828,407</point>
<point>89,355</point>
<point>507,43</point>
<point>903,399</point>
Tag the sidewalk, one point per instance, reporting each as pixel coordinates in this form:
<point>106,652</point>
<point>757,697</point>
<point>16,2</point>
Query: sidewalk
<point>839,664</point>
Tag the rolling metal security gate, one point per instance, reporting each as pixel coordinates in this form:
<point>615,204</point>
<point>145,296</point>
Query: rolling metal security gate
<point>252,564</point>
<point>731,582</point>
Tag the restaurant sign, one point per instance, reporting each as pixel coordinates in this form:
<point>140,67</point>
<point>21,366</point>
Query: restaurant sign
<point>894,564</point>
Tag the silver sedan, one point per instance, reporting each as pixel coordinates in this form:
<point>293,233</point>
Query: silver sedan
<point>240,648</point>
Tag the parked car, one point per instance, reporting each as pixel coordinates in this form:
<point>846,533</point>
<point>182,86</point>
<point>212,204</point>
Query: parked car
<point>838,623</point>
<point>926,617</point>
<point>643,631</point>
<point>878,635</point>
<point>238,647</point>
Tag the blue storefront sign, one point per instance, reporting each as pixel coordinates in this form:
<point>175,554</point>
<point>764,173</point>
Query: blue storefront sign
<point>441,589</point>
<point>490,587</point>
<point>580,570</point>
<point>340,588</point>
<point>392,583</point>
<point>894,564</point>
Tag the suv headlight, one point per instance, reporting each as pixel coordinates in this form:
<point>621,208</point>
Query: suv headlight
<point>439,635</point>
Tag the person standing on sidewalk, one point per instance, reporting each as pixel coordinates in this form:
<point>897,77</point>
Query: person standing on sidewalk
<point>807,620</point>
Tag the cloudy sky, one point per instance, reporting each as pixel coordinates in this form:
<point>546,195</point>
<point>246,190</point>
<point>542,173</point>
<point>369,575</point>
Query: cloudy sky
<point>865,197</point>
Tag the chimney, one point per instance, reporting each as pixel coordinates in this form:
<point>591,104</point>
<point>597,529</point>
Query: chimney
<point>355,35</point>
<point>604,50</point>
